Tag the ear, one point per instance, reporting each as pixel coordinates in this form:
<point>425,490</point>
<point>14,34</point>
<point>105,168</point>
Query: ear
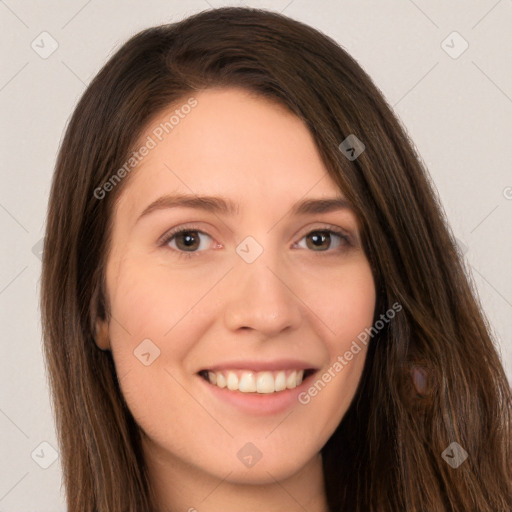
<point>101,336</point>
<point>99,324</point>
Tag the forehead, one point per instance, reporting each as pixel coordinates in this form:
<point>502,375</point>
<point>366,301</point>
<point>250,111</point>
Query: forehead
<point>231,143</point>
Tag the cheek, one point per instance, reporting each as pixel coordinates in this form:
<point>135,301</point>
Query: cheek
<point>153,327</point>
<point>344,303</point>
<point>157,318</point>
<point>343,307</point>
<point>149,302</point>
<point>347,308</point>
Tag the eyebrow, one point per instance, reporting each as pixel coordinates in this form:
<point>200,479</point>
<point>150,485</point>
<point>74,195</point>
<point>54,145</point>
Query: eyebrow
<point>220,205</point>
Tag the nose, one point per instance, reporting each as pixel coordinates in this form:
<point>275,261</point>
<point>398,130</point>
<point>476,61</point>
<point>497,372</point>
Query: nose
<point>261,298</point>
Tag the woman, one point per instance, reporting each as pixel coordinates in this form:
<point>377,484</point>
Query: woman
<point>321,346</point>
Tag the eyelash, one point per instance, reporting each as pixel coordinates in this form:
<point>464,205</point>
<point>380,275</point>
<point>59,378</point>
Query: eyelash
<point>165,239</point>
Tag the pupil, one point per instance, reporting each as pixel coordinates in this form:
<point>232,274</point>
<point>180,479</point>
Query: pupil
<point>188,239</point>
<point>319,238</point>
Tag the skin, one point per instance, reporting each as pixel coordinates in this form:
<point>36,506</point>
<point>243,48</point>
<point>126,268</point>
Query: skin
<point>294,300</point>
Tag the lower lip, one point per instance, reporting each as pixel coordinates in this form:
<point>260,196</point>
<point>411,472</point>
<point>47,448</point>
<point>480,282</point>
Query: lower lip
<point>263,404</point>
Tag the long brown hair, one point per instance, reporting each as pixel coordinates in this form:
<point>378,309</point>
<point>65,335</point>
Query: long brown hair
<point>432,376</point>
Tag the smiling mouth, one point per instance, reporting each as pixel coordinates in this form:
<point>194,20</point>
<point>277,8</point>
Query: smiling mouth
<point>264,382</point>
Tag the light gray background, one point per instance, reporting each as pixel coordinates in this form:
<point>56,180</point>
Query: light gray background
<point>457,111</point>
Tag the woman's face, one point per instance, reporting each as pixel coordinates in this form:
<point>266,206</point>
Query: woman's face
<point>254,295</point>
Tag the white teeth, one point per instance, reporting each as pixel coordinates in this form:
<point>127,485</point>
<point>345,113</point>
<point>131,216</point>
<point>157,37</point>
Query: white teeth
<point>280,381</point>
<point>247,381</point>
<point>221,380</point>
<point>232,381</point>
<point>291,380</point>
<point>265,382</point>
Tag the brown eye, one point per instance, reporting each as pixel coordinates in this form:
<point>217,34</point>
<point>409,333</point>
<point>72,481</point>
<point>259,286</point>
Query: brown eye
<point>321,240</point>
<point>318,240</point>
<point>186,240</point>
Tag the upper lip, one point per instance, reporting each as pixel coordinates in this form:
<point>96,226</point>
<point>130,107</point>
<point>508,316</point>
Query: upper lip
<point>259,366</point>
